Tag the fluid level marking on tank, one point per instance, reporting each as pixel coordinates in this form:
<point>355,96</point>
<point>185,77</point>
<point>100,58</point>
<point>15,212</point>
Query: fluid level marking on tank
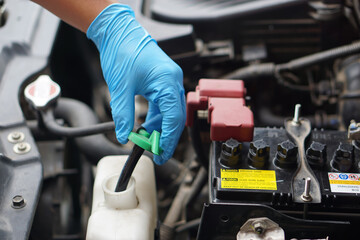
<point>248,179</point>
<point>344,182</point>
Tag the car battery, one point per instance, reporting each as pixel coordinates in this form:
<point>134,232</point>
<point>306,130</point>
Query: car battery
<point>254,179</point>
<point>261,171</point>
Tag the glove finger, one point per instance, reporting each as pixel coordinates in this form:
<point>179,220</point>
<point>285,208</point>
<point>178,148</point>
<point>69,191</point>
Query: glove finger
<point>122,109</point>
<point>153,111</point>
<point>153,119</point>
<point>173,123</point>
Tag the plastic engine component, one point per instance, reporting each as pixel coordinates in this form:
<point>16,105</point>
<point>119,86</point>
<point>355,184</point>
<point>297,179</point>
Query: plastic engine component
<point>26,41</point>
<point>130,214</point>
<point>172,38</point>
<point>42,92</point>
<point>228,116</point>
<point>146,141</point>
<point>195,11</point>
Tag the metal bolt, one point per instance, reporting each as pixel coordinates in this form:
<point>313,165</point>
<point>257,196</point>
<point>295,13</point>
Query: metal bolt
<point>18,202</point>
<point>22,148</point>
<point>296,120</point>
<point>306,195</point>
<point>259,227</point>
<point>16,137</point>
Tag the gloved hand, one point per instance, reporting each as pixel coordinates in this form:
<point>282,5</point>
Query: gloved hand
<point>132,64</point>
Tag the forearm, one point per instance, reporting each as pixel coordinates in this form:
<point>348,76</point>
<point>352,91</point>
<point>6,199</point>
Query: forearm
<point>78,13</point>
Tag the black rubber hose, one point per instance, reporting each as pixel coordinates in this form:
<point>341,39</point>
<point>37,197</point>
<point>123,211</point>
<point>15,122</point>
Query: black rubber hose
<point>270,69</point>
<point>196,187</point>
<point>78,114</point>
<point>197,144</point>
<point>53,127</point>
<point>330,54</point>
<point>189,225</point>
<point>252,71</point>
<point>267,118</point>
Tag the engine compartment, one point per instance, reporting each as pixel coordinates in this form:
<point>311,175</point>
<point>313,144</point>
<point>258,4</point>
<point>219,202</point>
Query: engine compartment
<point>223,182</point>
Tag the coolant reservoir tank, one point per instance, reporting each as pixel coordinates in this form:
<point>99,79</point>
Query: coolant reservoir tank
<point>131,214</point>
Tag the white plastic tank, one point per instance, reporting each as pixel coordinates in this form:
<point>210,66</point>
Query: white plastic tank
<point>131,214</point>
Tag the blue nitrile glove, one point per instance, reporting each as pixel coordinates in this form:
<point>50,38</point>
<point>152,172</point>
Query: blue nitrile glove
<point>132,64</point>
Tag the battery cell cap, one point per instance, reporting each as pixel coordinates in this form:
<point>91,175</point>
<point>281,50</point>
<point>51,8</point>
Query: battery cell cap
<point>42,92</point>
<point>316,154</point>
<point>286,155</point>
<point>230,153</point>
<point>258,154</point>
<point>343,158</point>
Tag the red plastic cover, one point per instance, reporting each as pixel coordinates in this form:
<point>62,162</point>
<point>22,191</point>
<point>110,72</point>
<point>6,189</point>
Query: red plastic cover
<point>222,88</point>
<point>229,118</point>
<point>228,115</point>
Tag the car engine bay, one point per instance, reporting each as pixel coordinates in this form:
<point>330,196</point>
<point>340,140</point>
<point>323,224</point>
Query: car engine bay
<point>271,147</point>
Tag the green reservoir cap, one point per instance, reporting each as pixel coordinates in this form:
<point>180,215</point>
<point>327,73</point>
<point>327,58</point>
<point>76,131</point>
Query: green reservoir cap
<point>146,141</point>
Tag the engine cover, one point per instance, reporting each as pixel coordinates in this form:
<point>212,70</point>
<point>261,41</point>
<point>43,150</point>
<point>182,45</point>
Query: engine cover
<point>195,11</point>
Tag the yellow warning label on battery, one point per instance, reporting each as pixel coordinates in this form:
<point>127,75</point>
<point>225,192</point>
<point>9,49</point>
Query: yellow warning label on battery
<point>248,179</point>
<point>344,182</point>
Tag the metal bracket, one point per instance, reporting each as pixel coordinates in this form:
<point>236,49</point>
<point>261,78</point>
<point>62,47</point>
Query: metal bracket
<point>304,180</point>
